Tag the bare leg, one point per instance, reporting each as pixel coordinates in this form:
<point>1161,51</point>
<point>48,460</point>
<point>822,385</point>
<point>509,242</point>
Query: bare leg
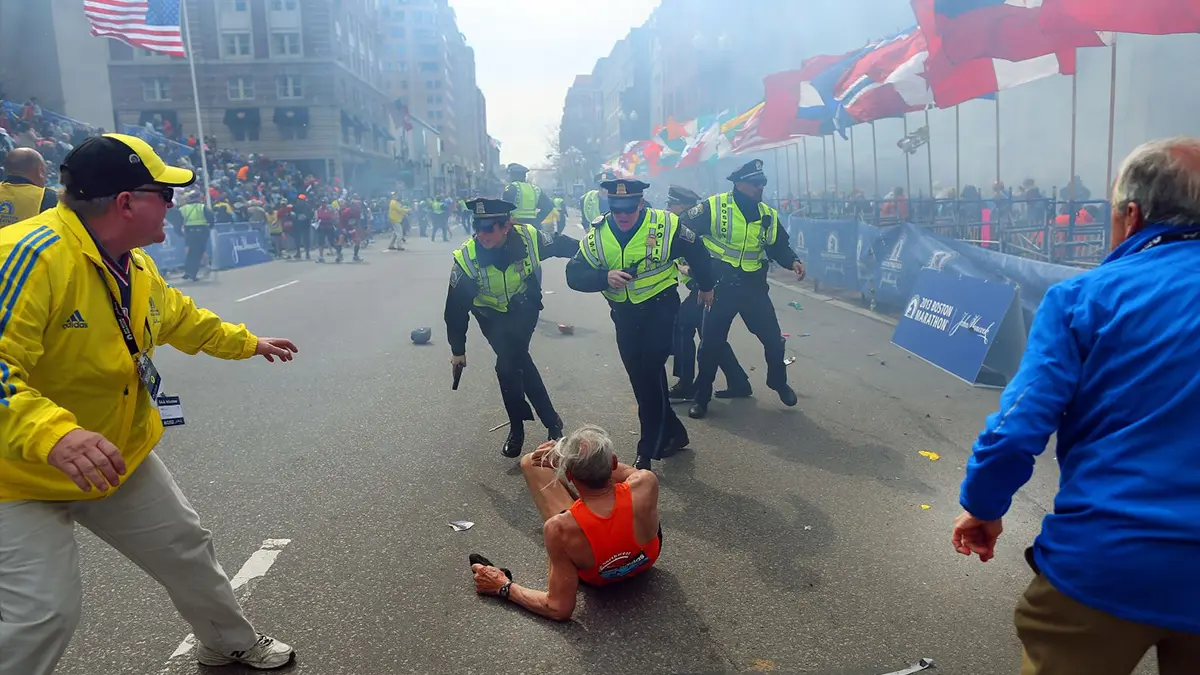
<point>549,494</point>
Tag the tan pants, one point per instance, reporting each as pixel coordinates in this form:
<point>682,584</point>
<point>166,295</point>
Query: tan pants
<point>150,522</point>
<point>1064,637</point>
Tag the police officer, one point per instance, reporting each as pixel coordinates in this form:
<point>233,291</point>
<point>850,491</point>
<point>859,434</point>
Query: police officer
<point>533,205</point>
<point>628,256</point>
<point>690,321</point>
<point>23,193</point>
<point>196,221</point>
<point>595,202</point>
<point>497,276</point>
<point>741,232</point>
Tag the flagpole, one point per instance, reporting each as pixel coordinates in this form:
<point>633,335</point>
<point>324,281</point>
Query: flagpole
<point>957,153</point>
<point>907,164</point>
<point>837,182</point>
<point>807,184</point>
<point>824,168</point>
<point>787,163</point>
<point>997,99</point>
<point>775,169</point>
<point>1112,115</point>
<point>187,36</point>
<point>875,160</point>
<point>929,153</point>
<point>853,164</point>
<point>1074,124</point>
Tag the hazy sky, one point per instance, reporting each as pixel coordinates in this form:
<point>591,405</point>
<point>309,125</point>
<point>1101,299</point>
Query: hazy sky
<point>527,53</point>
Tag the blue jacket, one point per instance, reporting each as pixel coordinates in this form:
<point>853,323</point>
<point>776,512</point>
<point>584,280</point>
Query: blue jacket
<point>1112,366</point>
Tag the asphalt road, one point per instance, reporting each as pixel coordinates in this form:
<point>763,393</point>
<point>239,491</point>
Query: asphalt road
<point>795,539</point>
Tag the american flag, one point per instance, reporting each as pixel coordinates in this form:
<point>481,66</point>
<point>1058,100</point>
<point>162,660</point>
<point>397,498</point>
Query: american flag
<point>148,24</point>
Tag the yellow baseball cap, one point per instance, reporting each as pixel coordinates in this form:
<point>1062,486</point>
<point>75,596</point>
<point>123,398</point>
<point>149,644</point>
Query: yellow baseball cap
<point>103,166</point>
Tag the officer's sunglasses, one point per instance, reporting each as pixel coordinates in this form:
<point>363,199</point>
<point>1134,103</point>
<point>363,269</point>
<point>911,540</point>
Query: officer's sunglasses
<point>624,209</point>
<point>486,226</point>
<point>167,193</point>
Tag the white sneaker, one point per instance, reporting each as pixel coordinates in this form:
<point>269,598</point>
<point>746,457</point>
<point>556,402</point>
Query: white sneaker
<point>266,654</point>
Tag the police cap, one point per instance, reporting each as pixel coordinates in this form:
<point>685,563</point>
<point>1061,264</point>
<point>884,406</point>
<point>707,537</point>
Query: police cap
<point>624,194</point>
<point>750,172</point>
<point>488,211</point>
<point>681,196</point>
<point>517,169</point>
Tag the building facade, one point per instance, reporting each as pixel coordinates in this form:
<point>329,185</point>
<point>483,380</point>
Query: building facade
<point>296,80</point>
<point>429,71</point>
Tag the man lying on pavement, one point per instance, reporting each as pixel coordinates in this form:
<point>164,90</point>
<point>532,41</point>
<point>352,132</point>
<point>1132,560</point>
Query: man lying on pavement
<point>610,533</point>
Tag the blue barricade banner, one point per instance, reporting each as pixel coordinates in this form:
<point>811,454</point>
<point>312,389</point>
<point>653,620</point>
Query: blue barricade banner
<point>170,254</point>
<point>956,322</point>
<point>891,258</point>
<point>238,248</point>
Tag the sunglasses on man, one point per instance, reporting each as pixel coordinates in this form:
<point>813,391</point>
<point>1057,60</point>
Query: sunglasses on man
<point>486,226</point>
<point>624,208</point>
<point>167,193</point>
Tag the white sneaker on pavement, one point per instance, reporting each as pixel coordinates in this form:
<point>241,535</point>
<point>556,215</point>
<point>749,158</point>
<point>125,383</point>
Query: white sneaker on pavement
<point>266,654</point>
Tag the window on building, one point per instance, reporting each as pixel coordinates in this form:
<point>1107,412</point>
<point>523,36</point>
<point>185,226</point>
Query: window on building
<point>236,45</point>
<point>404,84</point>
<point>285,44</point>
<point>402,67</point>
<point>291,86</point>
<point>241,89</point>
<point>398,32</point>
<point>156,89</point>
<point>398,15</point>
<point>284,5</point>
<point>428,66</point>
<point>426,34</point>
<point>235,5</point>
<point>427,51</point>
<point>401,51</point>
<point>433,84</point>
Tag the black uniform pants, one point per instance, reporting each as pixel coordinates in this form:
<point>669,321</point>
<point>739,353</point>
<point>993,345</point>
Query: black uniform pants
<point>645,333</point>
<point>196,240</point>
<point>441,221</point>
<point>734,296</point>
<point>509,334</point>
<point>690,322</point>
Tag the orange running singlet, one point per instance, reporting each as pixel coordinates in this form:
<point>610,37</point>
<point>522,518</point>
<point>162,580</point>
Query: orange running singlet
<point>614,546</point>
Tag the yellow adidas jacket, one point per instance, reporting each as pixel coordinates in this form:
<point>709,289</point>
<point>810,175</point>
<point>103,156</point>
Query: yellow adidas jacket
<point>396,212</point>
<point>63,362</point>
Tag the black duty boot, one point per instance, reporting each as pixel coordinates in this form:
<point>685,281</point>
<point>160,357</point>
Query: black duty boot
<point>642,463</point>
<point>555,430</point>
<point>787,395</point>
<point>678,442</point>
<point>739,391</point>
<point>681,392</point>
<point>698,410</point>
<point>515,443</point>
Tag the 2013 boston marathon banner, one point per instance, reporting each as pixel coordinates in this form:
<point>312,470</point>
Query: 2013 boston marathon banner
<point>893,265</point>
<point>883,263</point>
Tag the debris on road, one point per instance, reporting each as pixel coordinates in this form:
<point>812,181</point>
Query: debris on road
<point>930,455</point>
<point>548,292</point>
<point>566,329</point>
<point>461,525</point>
<point>806,335</point>
<point>923,664</point>
<point>925,507</point>
<point>498,427</point>
<point>789,360</point>
<point>421,336</point>
<point>795,305</point>
<point>786,335</point>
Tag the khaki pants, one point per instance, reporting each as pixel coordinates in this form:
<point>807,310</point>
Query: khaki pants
<point>1064,637</point>
<point>150,522</point>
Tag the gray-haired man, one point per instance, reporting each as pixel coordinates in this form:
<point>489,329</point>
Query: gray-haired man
<point>610,533</point>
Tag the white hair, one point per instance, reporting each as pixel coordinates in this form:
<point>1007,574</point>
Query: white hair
<point>85,208</point>
<point>1163,178</point>
<point>587,454</point>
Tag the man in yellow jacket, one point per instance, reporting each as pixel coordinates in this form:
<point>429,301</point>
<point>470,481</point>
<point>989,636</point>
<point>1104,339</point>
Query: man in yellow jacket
<point>397,213</point>
<point>82,408</point>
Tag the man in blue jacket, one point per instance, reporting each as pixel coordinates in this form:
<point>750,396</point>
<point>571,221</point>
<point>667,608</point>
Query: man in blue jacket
<point>1111,367</point>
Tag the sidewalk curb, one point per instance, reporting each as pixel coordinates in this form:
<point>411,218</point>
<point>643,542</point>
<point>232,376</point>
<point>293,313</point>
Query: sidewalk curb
<point>840,304</point>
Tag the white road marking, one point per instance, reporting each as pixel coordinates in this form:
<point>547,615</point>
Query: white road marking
<point>274,288</point>
<point>255,568</point>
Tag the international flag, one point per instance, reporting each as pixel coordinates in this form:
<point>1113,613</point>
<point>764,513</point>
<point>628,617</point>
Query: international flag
<point>888,80</point>
<point>954,84</point>
<point>802,102</point>
<point>964,30</point>
<point>1149,17</point>
<point>148,24</point>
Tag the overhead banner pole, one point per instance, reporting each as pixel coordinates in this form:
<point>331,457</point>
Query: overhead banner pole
<point>997,99</point>
<point>907,164</point>
<point>929,153</point>
<point>1074,128</point>
<point>837,183</point>
<point>957,152</point>
<point>787,162</point>
<point>824,168</point>
<point>807,183</point>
